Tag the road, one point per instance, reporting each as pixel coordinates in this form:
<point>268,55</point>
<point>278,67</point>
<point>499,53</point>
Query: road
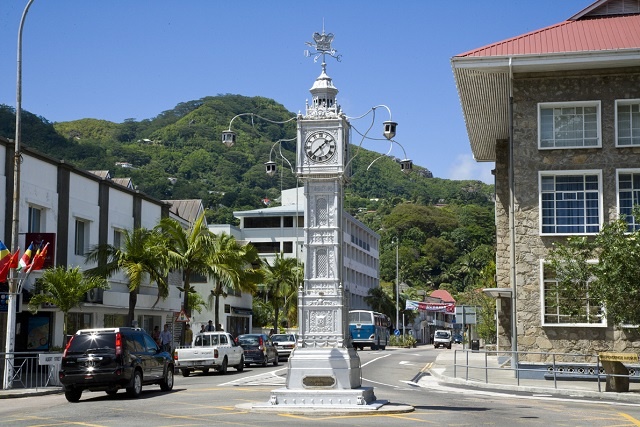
<point>204,400</point>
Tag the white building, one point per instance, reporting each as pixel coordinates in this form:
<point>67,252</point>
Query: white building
<point>281,230</point>
<point>75,210</point>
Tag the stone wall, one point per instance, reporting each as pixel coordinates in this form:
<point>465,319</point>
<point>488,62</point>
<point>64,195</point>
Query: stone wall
<point>529,90</point>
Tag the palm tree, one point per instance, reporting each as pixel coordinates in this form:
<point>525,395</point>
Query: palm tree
<point>231,267</point>
<point>143,253</point>
<point>281,280</point>
<point>64,288</point>
<point>189,250</point>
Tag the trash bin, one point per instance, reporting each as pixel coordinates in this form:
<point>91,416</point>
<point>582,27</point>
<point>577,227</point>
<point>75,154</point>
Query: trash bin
<point>475,345</point>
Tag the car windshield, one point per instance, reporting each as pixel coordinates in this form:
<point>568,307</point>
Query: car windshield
<point>282,338</point>
<point>248,340</point>
<point>442,334</point>
<point>92,343</point>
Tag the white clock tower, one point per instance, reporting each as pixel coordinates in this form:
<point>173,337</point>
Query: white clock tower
<point>325,369</point>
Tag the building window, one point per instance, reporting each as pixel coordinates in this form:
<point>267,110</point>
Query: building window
<point>569,125</point>
<point>262,222</point>
<point>629,196</point>
<point>287,247</point>
<point>35,218</point>
<point>554,312</point>
<point>81,237</point>
<point>267,247</point>
<point>77,321</point>
<point>570,202</point>
<point>627,122</point>
<point>118,238</point>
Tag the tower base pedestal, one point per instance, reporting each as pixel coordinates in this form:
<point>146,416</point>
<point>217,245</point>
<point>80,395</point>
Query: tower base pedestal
<point>323,377</point>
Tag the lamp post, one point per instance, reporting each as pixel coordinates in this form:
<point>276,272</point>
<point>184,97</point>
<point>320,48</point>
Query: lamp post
<point>14,288</point>
<point>395,240</point>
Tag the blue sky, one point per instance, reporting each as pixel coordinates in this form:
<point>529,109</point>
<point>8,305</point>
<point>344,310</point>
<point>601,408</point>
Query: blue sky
<point>122,59</point>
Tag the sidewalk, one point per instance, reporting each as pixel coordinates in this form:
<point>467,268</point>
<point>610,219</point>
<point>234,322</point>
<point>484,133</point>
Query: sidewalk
<point>471,373</point>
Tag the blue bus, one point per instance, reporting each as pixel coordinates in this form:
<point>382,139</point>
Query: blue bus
<point>368,329</point>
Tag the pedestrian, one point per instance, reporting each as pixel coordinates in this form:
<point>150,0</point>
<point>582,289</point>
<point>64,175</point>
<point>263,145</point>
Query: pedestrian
<point>165,338</point>
<point>156,335</point>
<point>202,328</point>
<point>188,335</point>
<point>219,327</point>
<point>210,326</point>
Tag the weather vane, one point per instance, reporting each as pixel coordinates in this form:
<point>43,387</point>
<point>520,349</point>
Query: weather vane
<point>322,47</point>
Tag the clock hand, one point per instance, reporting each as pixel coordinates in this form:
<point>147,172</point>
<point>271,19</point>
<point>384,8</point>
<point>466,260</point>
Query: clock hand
<point>321,146</point>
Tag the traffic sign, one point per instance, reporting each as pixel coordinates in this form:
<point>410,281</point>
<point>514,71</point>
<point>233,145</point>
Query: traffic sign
<point>396,332</point>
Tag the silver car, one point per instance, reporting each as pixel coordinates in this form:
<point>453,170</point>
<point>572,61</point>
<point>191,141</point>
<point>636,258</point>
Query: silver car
<point>286,343</point>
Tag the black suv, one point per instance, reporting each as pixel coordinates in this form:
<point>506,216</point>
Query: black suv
<point>108,359</point>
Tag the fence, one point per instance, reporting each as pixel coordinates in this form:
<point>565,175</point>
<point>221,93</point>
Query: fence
<point>492,366</point>
<point>31,369</point>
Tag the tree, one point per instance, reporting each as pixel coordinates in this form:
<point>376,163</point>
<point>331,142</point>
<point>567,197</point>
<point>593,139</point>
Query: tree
<point>381,300</point>
<point>282,279</point>
<point>64,288</point>
<point>231,268</point>
<point>188,250</point>
<point>143,253</point>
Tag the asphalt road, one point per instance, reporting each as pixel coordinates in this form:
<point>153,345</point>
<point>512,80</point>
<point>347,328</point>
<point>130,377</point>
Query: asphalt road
<point>213,399</point>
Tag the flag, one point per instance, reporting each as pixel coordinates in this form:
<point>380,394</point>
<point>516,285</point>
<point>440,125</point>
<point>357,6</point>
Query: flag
<point>26,258</point>
<point>38,258</point>
<point>5,255</point>
<point>13,263</point>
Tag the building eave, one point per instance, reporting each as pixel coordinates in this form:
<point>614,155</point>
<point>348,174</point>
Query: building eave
<point>483,87</point>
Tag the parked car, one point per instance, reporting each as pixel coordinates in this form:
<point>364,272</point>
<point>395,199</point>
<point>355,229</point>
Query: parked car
<point>258,349</point>
<point>442,338</point>
<point>108,359</point>
<point>286,343</point>
<point>210,350</point>
<point>457,339</point>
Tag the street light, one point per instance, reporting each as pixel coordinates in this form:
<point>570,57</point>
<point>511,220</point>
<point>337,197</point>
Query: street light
<point>14,288</point>
<point>395,240</point>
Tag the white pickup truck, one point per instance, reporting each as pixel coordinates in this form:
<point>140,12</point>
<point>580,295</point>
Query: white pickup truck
<point>210,350</point>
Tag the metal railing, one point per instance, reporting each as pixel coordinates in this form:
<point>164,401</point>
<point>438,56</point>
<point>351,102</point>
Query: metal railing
<point>481,365</point>
<point>31,369</point>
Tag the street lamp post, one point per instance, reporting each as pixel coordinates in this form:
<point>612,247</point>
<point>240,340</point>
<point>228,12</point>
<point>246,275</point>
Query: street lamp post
<point>14,288</point>
<point>395,239</point>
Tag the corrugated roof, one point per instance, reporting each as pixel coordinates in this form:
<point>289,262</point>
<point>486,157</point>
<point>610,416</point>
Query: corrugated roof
<point>443,295</point>
<point>603,35</point>
<point>187,209</point>
<point>587,35</point>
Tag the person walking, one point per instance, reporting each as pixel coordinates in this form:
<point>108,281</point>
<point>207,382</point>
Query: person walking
<point>165,338</point>
<point>156,335</point>
<point>210,327</point>
<point>188,335</point>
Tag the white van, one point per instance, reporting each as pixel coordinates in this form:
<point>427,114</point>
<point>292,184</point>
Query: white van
<point>442,338</point>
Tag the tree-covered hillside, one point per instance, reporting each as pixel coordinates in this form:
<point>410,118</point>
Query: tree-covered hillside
<point>444,228</point>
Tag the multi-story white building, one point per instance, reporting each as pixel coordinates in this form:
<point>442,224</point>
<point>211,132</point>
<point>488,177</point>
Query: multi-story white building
<point>281,229</point>
<point>75,210</point>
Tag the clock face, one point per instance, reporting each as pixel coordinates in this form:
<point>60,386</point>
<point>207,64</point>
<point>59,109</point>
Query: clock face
<point>320,146</point>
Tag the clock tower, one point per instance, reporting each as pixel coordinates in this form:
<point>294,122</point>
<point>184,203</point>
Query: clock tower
<point>325,368</point>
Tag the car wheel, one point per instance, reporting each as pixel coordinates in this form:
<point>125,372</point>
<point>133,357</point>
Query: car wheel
<point>265,361</point>
<point>136,385</point>
<point>167,381</point>
<point>112,392</point>
<point>223,368</point>
<point>374,347</point>
<point>276,361</point>
<point>73,395</point>
<point>240,366</point>
<point>382,347</point>
<point>185,372</point>
<point>205,370</point>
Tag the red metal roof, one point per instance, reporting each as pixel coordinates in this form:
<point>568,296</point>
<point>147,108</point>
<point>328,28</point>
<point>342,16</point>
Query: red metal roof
<point>607,33</point>
<point>443,295</point>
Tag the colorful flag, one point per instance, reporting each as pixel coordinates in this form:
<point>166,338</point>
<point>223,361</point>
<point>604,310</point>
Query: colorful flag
<point>26,258</point>
<point>13,263</point>
<point>5,255</point>
<point>38,258</point>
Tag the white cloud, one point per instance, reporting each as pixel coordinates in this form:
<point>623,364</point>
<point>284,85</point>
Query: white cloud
<point>465,167</point>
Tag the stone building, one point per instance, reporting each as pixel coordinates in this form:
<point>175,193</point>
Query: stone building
<point>558,111</point>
